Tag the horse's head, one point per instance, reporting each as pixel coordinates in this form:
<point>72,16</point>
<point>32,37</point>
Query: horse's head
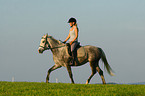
<point>43,44</point>
<point>48,42</point>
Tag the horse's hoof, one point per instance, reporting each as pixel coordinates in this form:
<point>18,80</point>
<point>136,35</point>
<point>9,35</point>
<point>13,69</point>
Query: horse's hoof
<point>47,81</point>
<point>87,82</point>
<point>104,83</point>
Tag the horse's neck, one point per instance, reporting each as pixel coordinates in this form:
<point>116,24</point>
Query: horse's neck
<point>57,46</point>
<point>53,43</point>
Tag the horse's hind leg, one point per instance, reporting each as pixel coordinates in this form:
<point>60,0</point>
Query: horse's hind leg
<point>93,68</point>
<point>101,74</point>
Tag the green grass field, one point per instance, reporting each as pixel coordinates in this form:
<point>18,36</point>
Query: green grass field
<point>61,89</point>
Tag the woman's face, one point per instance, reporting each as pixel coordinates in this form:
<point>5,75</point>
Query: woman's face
<point>71,23</point>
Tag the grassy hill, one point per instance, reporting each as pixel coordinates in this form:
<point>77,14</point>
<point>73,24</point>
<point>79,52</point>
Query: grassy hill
<point>61,89</point>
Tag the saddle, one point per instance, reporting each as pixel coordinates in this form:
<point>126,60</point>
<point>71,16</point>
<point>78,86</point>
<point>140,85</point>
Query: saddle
<point>79,51</point>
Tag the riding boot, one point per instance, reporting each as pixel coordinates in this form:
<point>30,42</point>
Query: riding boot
<point>72,62</point>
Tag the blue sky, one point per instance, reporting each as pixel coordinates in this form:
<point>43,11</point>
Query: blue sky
<point>117,26</point>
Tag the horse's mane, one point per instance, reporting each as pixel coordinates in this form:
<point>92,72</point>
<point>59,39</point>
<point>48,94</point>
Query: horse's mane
<point>57,41</point>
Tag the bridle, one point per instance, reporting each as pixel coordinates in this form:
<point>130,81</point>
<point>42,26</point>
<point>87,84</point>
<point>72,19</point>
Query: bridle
<point>49,47</point>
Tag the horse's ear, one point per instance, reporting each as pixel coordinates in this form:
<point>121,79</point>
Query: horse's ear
<point>46,34</point>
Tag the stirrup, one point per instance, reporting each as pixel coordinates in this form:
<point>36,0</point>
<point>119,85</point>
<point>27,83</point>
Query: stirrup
<point>72,62</point>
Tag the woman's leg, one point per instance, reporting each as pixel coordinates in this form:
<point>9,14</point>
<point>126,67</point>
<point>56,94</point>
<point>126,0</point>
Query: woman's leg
<point>74,53</point>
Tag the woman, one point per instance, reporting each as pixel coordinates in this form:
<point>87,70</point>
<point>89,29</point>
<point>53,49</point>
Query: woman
<point>72,37</point>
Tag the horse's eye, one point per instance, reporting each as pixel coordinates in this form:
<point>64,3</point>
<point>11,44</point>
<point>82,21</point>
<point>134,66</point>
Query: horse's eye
<point>43,41</point>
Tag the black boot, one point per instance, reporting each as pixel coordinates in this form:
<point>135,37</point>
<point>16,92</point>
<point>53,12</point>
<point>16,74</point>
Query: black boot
<point>72,59</point>
<point>72,62</point>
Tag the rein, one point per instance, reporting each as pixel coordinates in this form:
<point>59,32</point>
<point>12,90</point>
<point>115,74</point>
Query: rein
<point>54,47</point>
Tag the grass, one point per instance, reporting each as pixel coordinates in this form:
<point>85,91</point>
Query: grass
<point>61,89</point>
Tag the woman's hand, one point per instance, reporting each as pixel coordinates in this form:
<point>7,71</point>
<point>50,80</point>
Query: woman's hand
<point>64,42</point>
<point>70,43</point>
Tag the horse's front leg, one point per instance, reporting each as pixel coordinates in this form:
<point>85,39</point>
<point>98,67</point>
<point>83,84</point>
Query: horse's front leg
<point>70,73</point>
<point>50,70</point>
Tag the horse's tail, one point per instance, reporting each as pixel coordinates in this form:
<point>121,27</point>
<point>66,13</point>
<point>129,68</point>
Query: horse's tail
<point>103,57</point>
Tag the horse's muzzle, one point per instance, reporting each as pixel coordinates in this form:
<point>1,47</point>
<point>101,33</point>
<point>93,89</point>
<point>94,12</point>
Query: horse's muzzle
<point>40,50</point>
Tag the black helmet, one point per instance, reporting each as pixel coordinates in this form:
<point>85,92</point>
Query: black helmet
<point>72,20</point>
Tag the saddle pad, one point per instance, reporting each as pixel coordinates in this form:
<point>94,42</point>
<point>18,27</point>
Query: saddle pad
<point>81,52</point>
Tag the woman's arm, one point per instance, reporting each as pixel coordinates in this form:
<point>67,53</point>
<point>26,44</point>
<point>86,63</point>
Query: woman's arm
<point>76,32</point>
<point>67,38</point>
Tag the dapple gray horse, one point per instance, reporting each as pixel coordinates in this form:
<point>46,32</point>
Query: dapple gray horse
<point>85,54</point>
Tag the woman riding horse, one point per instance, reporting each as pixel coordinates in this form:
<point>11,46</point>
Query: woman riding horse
<point>85,54</point>
<point>73,38</point>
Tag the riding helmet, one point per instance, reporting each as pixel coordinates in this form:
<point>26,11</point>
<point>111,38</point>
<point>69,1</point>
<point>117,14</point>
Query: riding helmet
<point>72,20</point>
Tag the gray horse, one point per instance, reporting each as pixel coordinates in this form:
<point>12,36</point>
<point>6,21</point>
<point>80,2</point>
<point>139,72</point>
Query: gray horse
<point>85,54</point>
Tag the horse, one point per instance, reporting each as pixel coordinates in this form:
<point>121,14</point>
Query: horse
<point>85,54</point>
